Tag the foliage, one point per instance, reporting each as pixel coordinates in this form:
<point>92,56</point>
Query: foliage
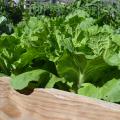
<point>105,11</point>
<point>5,26</point>
<point>48,9</point>
<point>109,91</point>
<point>72,52</point>
<point>11,11</point>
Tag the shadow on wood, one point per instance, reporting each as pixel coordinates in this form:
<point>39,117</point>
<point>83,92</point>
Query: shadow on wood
<point>52,104</point>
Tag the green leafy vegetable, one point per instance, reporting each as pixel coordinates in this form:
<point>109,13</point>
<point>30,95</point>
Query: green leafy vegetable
<point>74,52</point>
<point>109,91</point>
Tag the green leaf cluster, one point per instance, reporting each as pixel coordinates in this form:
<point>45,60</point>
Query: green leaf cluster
<point>71,53</point>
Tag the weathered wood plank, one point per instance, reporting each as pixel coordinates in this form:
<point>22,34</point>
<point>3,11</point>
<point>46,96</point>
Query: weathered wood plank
<point>51,104</point>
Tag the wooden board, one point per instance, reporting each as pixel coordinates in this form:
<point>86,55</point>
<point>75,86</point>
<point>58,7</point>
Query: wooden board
<point>52,104</point>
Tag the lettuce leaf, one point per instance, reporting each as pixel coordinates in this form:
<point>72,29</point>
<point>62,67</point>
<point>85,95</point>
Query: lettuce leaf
<point>110,91</point>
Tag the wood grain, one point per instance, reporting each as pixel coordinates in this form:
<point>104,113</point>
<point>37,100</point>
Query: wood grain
<point>52,104</point>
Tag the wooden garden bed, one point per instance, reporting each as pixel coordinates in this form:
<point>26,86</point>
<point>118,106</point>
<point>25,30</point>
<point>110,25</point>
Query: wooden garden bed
<point>52,104</point>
